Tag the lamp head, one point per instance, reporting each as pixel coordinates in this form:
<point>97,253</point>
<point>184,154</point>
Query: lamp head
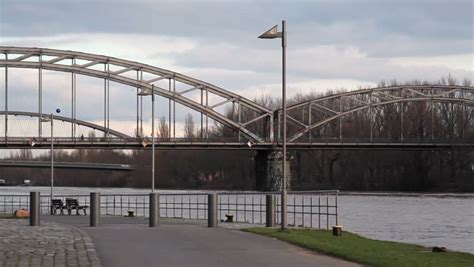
<point>271,34</point>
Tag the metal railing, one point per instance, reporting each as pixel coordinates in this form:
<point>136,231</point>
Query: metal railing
<point>10,203</point>
<point>248,207</point>
<point>120,204</point>
<point>173,205</point>
<point>314,209</point>
<point>184,206</point>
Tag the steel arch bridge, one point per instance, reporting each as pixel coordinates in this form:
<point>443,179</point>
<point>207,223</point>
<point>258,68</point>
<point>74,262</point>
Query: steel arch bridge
<point>334,107</point>
<point>257,127</point>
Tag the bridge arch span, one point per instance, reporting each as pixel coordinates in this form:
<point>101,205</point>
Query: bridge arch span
<point>31,58</point>
<point>367,99</point>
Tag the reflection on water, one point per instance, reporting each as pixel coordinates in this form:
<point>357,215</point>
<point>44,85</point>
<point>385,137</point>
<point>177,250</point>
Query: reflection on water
<point>430,221</point>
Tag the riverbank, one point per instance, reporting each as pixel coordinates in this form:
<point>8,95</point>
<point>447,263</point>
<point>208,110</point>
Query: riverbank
<point>363,250</point>
<point>64,234</point>
<point>427,220</point>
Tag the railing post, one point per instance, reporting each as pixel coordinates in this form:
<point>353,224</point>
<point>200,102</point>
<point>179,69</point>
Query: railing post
<point>270,210</point>
<point>34,208</point>
<point>154,209</point>
<point>95,209</point>
<point>212,210</point>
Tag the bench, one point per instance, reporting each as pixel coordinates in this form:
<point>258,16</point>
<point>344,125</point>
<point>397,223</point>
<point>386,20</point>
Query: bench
<point>72,203</point>
<point>57,204</point>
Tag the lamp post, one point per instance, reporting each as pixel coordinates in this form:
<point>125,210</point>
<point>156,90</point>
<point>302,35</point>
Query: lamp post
<point>153,138</point>
<point>272,34</point>
<point>145,93</point>
<point>51,119</point>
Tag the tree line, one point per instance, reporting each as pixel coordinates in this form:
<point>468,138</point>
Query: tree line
<point>364,170</point>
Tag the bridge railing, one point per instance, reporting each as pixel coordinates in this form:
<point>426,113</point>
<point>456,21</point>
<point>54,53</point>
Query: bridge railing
<point>147,142</point>
<point>314,209</point>
<point>113,139</point>
<point>426,140</point>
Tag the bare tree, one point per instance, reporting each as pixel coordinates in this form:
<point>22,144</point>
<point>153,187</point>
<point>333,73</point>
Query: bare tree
<point>189,126</point>
<point>163,129</point>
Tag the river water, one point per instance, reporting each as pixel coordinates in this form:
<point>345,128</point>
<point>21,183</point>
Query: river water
<point>431,220</point>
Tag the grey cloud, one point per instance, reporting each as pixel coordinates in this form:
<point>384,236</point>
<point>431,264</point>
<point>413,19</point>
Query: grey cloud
<point>228,53</point>
<point>327,62</point>
<point>361,23</point>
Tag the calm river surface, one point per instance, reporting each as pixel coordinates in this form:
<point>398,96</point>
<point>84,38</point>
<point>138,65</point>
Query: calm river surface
<point>441,220</point>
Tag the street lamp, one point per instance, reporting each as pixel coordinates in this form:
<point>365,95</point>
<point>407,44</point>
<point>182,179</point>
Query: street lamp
<point>152,93</point>
<point>51,119</point>
<point>272,34</point>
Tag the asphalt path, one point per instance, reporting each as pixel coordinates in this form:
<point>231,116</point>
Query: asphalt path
<point>130,242</point>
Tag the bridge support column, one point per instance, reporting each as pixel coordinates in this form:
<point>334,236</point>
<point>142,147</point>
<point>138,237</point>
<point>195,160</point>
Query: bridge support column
<point>268,170</point>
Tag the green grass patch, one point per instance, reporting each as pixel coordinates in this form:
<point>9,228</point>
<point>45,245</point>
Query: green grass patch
<point>6,216</point>
<point>367,251</point>
<point>9,216</point>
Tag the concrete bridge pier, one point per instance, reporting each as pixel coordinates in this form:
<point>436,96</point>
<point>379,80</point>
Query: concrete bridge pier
<point>268,170</point>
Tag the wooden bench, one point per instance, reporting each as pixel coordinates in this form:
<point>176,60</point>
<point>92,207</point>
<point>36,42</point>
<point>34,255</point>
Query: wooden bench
<point>57,204</point>
<point>72,203</point>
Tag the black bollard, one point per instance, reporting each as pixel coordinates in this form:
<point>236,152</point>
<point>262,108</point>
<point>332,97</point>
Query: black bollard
<point>95,209</point>
<point>34,208</point>
<point>270,210</point>
<point>154,209</point>
<point>212,210</point>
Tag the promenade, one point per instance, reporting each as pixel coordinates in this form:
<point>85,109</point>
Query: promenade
<point>123,241</point>
<point>50,244</point>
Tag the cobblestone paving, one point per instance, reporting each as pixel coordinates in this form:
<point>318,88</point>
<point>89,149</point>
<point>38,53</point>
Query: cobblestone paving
<point>50,244</point>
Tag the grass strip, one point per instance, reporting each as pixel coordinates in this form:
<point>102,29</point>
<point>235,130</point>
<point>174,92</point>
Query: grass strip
<point>9,216</point>
<point>367,251</point>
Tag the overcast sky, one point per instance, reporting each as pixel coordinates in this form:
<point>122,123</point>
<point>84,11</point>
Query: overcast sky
<point>331,44</point>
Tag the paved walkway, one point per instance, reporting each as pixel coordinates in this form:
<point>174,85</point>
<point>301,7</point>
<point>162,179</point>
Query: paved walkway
<point>130,242</point>
<point>50,244</point>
